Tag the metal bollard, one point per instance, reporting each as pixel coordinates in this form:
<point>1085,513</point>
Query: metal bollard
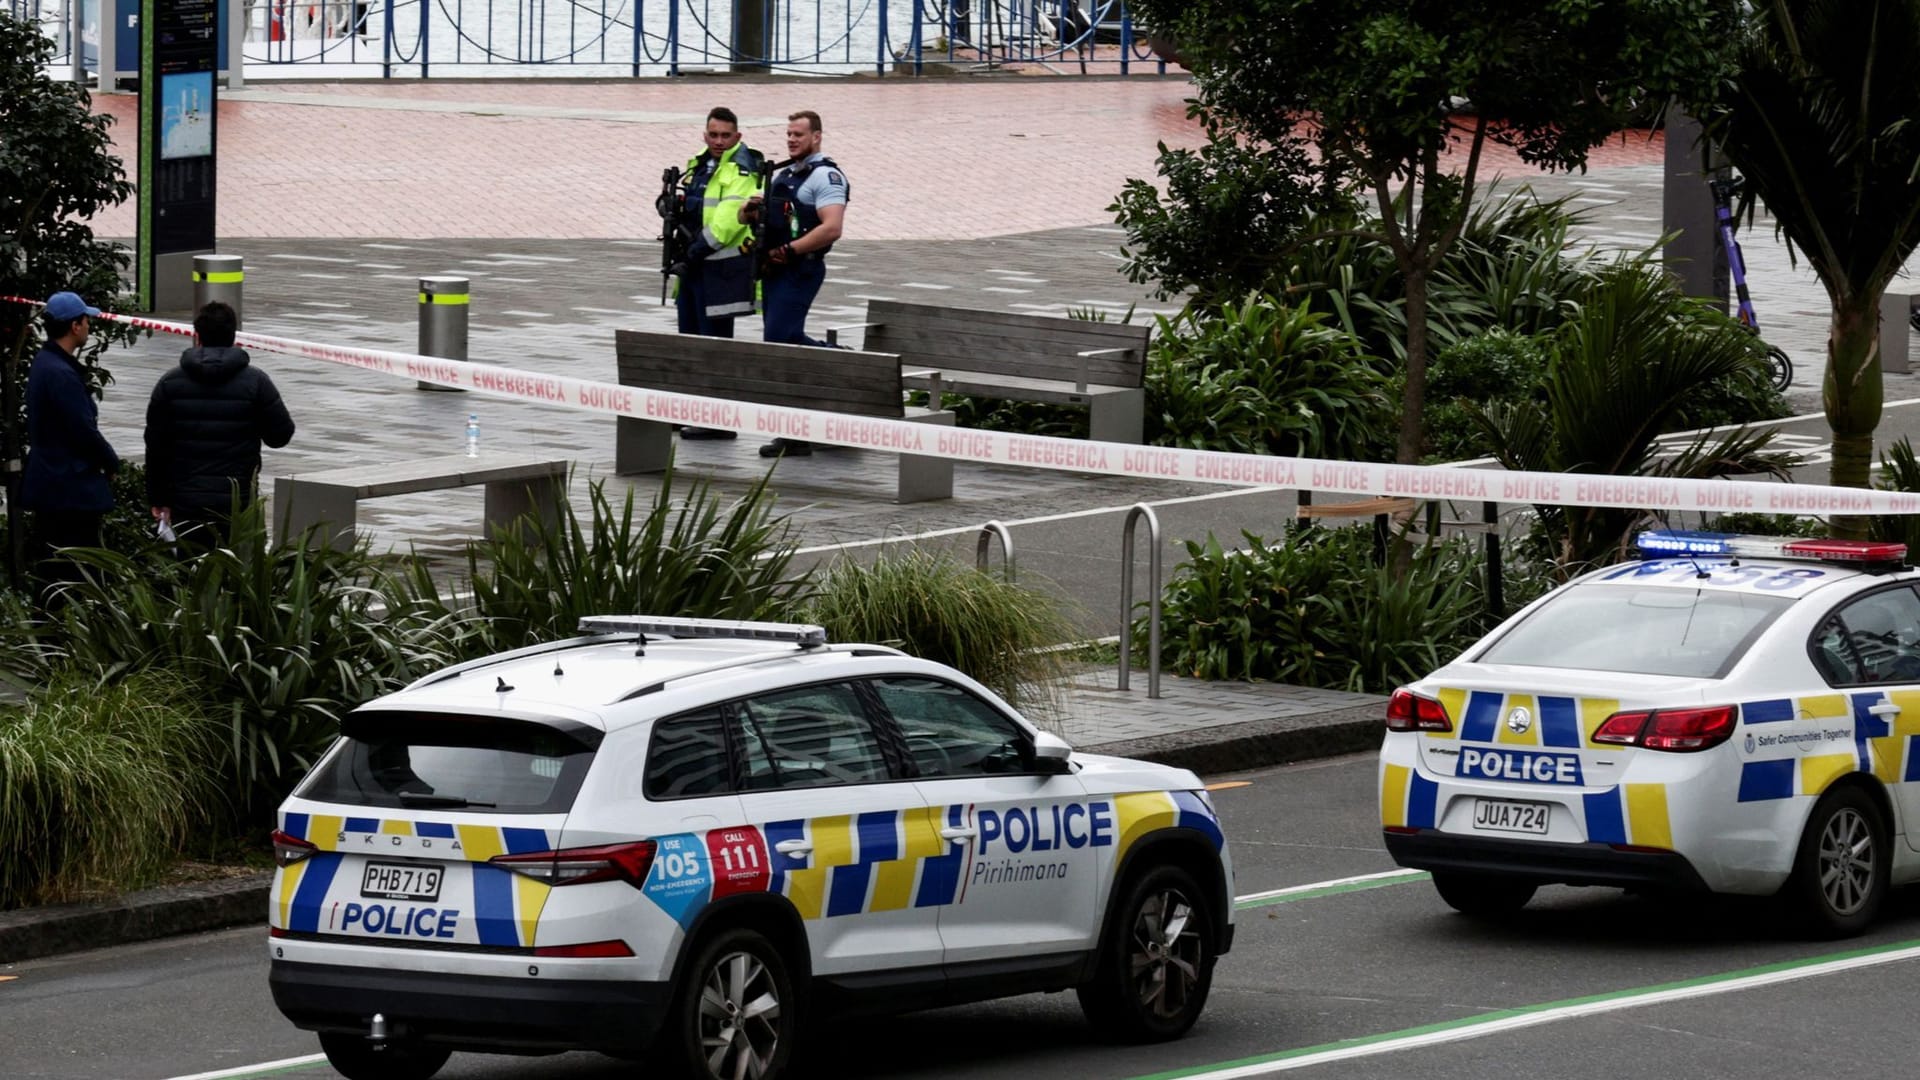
<point>443,322</point>
<point>219,277</point>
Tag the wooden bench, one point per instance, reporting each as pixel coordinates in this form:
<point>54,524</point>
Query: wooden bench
<point>516,484</point>
<point>999,354</point>
<point>800,376</point>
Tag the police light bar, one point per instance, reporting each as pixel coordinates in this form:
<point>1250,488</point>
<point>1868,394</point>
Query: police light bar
<point>1656,542</point>
<point>806,635</point>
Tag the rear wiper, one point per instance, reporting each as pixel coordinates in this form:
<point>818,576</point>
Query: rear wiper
<point>448,802</point>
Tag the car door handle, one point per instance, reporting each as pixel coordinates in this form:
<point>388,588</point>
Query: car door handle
<point>959,834</point>
<point>797,848</point>
<point>1884,708</point>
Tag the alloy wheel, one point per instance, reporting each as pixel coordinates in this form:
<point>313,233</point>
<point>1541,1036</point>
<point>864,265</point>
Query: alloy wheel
<point>1846,861</point>
<point>739,1017</point>
<point>1164,964</point>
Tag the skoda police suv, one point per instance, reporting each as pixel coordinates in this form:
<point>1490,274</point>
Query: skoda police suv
<point>1730,713</point>
<point>677,839</point>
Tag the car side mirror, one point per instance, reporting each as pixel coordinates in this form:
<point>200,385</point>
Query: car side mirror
<point>1052,754</point>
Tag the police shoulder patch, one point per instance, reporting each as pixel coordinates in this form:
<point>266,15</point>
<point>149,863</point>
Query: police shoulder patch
<point>835,178</point>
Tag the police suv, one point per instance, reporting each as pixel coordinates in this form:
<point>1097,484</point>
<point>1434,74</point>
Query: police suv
<point>1731,713</point>
<point>679,839</point>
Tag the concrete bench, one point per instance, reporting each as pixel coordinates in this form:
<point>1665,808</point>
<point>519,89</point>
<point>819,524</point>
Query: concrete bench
<point>998,354</point>
<point>516,484</point>
<point>800,376</point>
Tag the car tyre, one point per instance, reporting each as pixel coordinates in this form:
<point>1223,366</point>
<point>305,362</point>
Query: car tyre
<point>353,1057</point>
<point>1841,871</point>
<point>1483,895</point>
<point>735,1014</point>
<point>1156,960</point>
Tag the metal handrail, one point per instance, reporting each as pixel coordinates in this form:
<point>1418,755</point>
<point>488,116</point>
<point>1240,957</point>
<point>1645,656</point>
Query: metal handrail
<point>1134,514</point>
<point>987,532</point>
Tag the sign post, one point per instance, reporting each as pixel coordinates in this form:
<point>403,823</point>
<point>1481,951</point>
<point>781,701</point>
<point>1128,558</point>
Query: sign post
<point>179,58</point>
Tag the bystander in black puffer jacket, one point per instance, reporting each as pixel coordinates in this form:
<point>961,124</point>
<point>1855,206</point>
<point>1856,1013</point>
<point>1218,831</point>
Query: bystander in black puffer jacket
<point>205,423</point>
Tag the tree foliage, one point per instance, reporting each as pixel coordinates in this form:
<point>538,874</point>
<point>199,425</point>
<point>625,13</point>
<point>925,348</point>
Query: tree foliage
<point>1819,115</point>
<point>57,171</point>
<point>1401,100</point>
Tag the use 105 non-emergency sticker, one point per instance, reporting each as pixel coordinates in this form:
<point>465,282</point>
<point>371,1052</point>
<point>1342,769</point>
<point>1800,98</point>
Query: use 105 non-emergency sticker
<point>690,869</point>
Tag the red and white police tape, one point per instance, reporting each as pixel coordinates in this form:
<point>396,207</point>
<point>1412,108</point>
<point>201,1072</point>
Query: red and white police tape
<point>1080,455</point>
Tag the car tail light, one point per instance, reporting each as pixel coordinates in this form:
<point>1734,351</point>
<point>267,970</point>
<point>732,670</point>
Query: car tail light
<point>288,850</point>
<point>1408,711</point>
<point>590,950</point>
<point>577,866</point>
<point>1678,730</point>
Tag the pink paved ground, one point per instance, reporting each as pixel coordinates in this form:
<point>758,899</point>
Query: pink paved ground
<point>939,159</point>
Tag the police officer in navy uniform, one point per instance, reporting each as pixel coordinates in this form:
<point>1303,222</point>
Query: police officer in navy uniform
<point>810,195</point>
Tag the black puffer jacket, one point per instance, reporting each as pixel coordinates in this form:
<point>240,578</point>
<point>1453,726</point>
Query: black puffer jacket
<point>205,423</point>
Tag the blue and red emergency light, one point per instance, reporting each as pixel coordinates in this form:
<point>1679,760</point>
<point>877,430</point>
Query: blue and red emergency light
<point>1657,542</point>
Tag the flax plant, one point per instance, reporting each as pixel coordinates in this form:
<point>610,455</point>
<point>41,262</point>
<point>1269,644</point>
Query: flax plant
<point>100,781</point>
<point>693,554</point>
<point>932,606</point>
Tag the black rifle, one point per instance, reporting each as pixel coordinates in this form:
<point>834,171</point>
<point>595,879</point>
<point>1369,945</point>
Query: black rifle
<point>674,240</point>
<point>769,230</point>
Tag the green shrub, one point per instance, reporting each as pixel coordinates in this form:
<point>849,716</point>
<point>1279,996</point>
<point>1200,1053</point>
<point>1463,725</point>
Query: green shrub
<point>696,555</point>
<point>279,641</point>
<point>932,606</point>
<point>99,783</point>
<point>1499,365</point>
<point>1315,610</point>
<point>1265,377</point>
<point>1899,471</point>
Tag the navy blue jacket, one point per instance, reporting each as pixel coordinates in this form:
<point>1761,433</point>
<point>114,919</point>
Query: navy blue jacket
<point>205,423</point>
<point>68,460</point>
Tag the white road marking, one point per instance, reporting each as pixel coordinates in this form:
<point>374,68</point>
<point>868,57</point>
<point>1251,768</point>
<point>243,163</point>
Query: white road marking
<point>324,277</point>
<point>850,281</point>
<point>525,314</point>
<point>391,247</point>
<point>261,1068</point>
<point>310,258</point>
<point>1002,289</point>
<point>379,266</point>
<point>922,285</point>
<point>866,296</point>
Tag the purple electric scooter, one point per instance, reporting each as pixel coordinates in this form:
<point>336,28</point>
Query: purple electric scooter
<point>1779,364</point>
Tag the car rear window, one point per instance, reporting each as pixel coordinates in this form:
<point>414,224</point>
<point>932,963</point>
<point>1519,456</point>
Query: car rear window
<point>436,761</point>
<point>1641,630</point>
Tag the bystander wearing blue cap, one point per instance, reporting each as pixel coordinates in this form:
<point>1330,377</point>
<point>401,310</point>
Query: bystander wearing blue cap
<point>68,460</point>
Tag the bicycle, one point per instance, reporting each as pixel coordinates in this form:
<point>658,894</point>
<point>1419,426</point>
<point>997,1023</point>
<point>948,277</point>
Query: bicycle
<point>1779,364</point>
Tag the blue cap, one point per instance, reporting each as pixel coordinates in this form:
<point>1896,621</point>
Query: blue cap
<point>66,305</point>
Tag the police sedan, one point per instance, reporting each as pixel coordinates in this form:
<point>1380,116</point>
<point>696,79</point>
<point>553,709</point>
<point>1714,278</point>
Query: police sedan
<point>1730,713</point>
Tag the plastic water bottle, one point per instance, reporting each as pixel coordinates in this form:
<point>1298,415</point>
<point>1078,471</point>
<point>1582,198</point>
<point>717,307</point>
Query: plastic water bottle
<point>473,434</point>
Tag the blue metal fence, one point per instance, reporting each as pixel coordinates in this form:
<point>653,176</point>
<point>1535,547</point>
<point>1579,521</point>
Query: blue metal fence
<point>423,38</point>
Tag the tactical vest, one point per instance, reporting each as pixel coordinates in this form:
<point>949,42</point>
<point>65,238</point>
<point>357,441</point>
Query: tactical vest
<point>782,203</point>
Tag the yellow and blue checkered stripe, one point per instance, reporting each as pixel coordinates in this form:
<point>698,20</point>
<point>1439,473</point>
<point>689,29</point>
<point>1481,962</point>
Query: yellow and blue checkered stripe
<point>1562,722</point>
<point>506,905</point>
<point>1880,746</point>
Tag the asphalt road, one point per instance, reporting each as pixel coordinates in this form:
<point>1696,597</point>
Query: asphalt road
<point>1378,962</point>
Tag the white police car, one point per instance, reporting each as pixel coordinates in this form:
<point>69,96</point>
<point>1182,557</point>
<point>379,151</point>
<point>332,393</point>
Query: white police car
<point>679,839</point>
<point>1742,718</point>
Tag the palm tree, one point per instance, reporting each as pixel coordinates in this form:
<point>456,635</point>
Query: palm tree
<point>1624,369</point>
<point>1819,113</point>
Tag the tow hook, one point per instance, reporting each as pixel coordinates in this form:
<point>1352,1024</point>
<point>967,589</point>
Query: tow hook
<point>377,1031</point>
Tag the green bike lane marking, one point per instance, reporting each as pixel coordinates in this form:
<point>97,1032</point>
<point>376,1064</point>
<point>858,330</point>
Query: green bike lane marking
<point>1524,1016</point>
